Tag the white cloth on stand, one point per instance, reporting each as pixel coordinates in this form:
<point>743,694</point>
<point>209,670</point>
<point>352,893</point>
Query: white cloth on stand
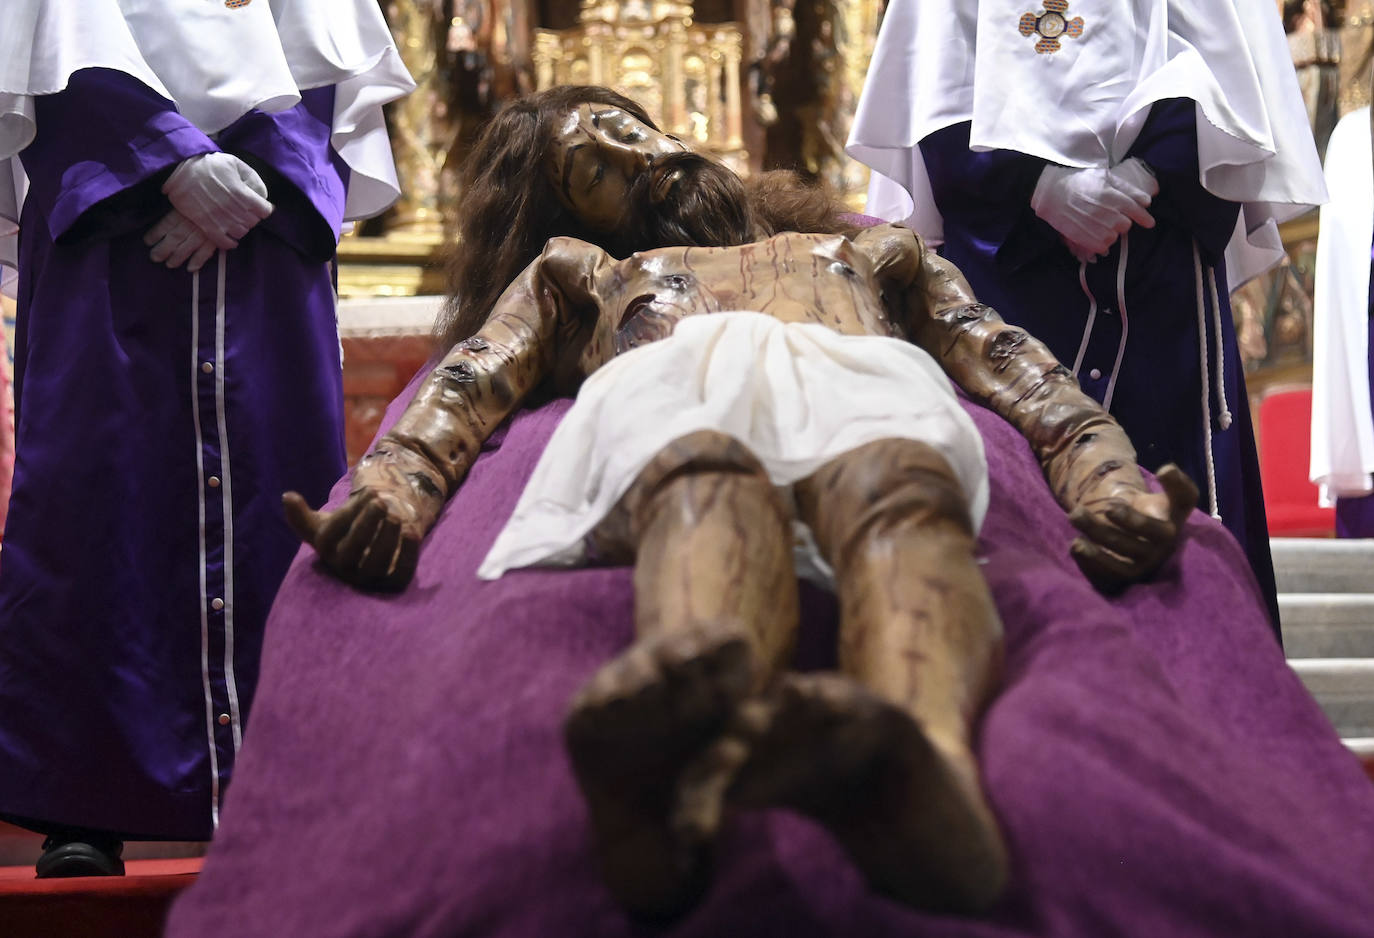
<point>1342,426</point>
<point>796,394</point>
<point>215,63</point>
<point>943,62</point>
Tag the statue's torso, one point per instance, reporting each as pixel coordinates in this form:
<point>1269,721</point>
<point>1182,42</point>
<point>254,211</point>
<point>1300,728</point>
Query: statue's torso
<point>821,279</point>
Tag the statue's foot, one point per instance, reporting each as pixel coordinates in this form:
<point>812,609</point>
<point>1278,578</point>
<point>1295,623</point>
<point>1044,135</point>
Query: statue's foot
<point>630,732</point>
<point>907,808</point>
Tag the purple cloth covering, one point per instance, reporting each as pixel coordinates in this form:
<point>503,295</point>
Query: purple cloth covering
<point>1158,768</point>
<point>146,539</point>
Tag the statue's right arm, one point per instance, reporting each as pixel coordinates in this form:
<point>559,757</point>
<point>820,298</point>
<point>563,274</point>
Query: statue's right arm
<point>399,488</point>
<point>1128,530</point>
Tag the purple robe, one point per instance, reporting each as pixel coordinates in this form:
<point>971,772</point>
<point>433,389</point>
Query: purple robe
<point>160,416</point>
<point>1017,264</point>
<point>1158,768</point>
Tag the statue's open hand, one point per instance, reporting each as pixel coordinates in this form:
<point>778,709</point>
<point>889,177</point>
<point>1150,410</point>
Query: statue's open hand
<point>1127,537</point>
<point>372,540</point>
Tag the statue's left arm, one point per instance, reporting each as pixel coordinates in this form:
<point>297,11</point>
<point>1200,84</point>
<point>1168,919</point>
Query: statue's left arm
<point>400,487</point>
<point>1128,531</point>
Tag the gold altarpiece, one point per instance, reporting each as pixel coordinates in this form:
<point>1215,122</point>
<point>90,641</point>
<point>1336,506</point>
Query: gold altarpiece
<point>685,74</point>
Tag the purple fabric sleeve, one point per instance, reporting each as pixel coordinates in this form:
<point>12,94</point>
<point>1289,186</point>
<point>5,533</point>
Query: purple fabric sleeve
<point>104,136</point>
<point>996,176</point>
<point>1168,145</point>
<point>291,150</point>
<point>990,191</point>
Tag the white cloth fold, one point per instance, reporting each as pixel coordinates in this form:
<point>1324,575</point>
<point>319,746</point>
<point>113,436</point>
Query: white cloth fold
<point>942,62</point>
<point>1342,462</point>
<point>215,63</point>
<point>797,395</point>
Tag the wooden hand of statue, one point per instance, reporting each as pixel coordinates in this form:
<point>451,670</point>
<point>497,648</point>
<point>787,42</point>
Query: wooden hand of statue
<point>1128,533</point>
<point>373,539</point>
<point>367,541</point>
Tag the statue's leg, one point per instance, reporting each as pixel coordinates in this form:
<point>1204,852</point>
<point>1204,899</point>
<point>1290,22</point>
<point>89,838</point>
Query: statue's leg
<point>882,754</point>
<point>715,617</point>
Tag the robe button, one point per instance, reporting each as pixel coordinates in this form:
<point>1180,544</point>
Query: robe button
<point>213,482</point>
<point>224,719</point>
<point>1095,374</point>
<point>217,604</point>
<point>207,367</point>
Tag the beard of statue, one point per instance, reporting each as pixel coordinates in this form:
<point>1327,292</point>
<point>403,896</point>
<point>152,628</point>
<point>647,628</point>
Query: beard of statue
<point>706,205</point>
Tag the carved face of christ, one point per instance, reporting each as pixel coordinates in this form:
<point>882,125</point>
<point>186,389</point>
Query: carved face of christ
<point>599,152</point>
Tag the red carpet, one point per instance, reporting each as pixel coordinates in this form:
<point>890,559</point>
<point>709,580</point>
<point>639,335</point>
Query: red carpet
<point>131,906</point>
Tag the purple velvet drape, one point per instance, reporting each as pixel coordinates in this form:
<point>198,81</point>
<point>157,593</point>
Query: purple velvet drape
<point>1158,768</point>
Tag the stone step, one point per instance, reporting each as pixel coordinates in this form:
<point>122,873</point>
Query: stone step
<point>1327,625</point>
<point>1321,565</point>
<point>1344,687</point>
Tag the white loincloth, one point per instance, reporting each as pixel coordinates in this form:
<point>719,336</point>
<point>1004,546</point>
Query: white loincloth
<point>797,395</point>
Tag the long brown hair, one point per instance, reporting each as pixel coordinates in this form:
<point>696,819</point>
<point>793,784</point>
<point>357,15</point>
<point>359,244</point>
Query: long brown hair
<point>782,200</point>
<point>509,208</point>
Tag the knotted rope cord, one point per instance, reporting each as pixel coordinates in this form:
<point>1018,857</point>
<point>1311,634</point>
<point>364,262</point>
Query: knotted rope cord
<point>1125,323</point>
<point>1224,420</point>
<point>1092,316</point>
<point>1206,385</point>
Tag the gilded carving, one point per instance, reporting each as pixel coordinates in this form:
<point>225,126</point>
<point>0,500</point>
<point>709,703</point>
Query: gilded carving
<point>685,73</point>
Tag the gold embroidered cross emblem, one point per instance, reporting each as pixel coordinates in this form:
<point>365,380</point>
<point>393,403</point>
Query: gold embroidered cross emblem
<point>235,4</point>
<point>1050,24</point>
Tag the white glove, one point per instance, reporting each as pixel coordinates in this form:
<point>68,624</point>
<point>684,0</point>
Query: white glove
<point>1090,207</point>
<point>220,194</point>
<point>1135,178</point>
<point>175,241</point>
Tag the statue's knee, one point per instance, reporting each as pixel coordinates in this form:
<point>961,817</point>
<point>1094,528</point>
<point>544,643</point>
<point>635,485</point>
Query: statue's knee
<point>692,470</point>
<point>703,451</point>
<point>884,484</point>
<point>915,481</point>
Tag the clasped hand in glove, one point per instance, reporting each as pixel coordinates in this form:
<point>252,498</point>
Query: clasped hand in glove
<point>1092,207</point>
<point>175,241</point>
<point>220,194</point>
<point>217,198</point>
